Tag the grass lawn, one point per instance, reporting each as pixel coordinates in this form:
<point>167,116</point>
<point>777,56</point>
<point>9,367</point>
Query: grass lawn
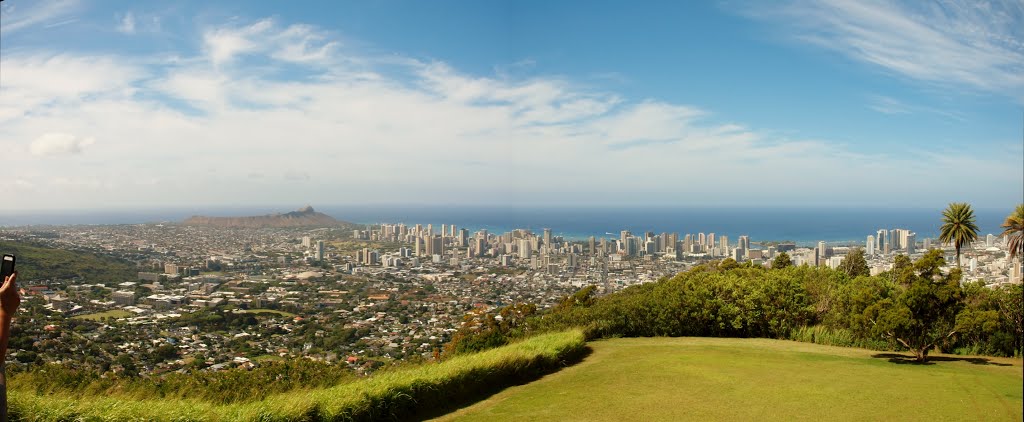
<point>113,313</point>
<point>758,379</point>
<point>267,311</point>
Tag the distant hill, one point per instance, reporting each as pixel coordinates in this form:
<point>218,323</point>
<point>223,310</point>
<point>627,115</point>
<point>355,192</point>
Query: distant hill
<point>304,217</point>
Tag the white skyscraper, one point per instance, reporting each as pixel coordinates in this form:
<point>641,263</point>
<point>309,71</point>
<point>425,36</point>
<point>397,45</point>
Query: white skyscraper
<point>911,243</point>
<point>870,249</point>
<point>525,248</point>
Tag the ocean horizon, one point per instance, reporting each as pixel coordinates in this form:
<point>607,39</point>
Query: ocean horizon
<point>803,225</point>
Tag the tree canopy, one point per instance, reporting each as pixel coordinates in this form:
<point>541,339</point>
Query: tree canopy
<point>1013,229</point>
<point>958,227</point>
<point>923,309</point>
<point>781,261</point>
<point>854,264</point>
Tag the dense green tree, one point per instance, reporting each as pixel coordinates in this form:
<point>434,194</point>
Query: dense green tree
<point>854,264</point>
<point>1011,308</point>
<point>1013,229</point>
<point>728,264</point>
<point>958,227</point>
<point>922,314</point>
<point>782,261</point>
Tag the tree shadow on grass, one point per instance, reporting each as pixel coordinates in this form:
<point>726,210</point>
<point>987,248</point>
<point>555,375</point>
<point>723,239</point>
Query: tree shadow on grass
<point>902,359</point>
<point>488,389</point>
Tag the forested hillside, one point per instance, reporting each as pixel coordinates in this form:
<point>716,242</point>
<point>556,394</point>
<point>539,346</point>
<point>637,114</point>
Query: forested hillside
<point>36,262</point>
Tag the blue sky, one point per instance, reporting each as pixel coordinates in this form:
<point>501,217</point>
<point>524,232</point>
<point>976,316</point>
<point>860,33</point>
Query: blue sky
<point>833,103</point>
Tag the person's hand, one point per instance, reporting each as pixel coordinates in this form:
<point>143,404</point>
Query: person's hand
<point>9,298</point>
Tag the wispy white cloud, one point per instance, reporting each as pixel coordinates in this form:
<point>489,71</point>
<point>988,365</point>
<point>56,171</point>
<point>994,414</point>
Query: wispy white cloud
<point>59,144</point>
<point>975,45</point>
<point>368,128</point>
<point>294,43</point>
<point>889,105</point>
<point>126,23</point>
<point>26,14</point>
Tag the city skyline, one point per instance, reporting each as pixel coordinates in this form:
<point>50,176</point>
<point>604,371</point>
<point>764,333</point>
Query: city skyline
<point>122,105</point>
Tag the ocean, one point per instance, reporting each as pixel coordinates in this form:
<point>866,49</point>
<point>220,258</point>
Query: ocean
<point>805,226</point>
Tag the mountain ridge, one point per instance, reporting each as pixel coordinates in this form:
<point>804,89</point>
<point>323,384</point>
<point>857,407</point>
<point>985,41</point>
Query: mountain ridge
<point>303,217</point>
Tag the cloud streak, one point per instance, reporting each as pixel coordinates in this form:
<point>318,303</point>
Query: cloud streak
<point>968,45</point>
<point>28,14</point>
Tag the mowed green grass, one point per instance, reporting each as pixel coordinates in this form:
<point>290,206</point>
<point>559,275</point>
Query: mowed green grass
<point>756,379</point>
<point>113,313</point>
<point>267,311</point>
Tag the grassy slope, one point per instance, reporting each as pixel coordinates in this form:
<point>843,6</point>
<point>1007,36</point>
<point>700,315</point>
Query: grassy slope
<point>402,394</point>
<point>268,311</point>
<point>756,379</point>
<point>35,263</point>
<point>113,313</point>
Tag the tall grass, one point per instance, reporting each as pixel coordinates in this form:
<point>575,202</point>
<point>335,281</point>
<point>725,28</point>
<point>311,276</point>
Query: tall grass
<point>416,392</point>
<point>236,385</point>
<point>820,334</point>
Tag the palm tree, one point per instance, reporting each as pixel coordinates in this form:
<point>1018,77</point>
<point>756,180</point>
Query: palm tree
<point>958,227</point>
<point>1014,232</point>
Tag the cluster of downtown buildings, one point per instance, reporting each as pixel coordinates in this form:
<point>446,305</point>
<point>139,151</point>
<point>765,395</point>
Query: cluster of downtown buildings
<point>985,260</point>
<point>521,245</point>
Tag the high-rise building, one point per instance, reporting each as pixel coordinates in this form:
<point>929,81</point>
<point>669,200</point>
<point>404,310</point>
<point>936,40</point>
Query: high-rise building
<point>724,246</point>
<point>437,245</point>
<point>547,239</point>
<point>525,248</point>
<point>702,239</point>
<point>592,243</point>
<point>632,244</point>
<point>623,235</point>
<point>711,243</point>
<point>870,249</point>
<point>480,247</point>
<point>463,238</point>
<point>911,242</point>
<point>822,249</point>
<point>307,242</point>
<point>744,243</point>
<point>927,244</point>
<point>320,250</point>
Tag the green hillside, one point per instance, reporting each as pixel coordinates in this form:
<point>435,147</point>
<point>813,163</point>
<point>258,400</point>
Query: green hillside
<point>758,379</point>
<point>39,263</point>
<point>405,393</point>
